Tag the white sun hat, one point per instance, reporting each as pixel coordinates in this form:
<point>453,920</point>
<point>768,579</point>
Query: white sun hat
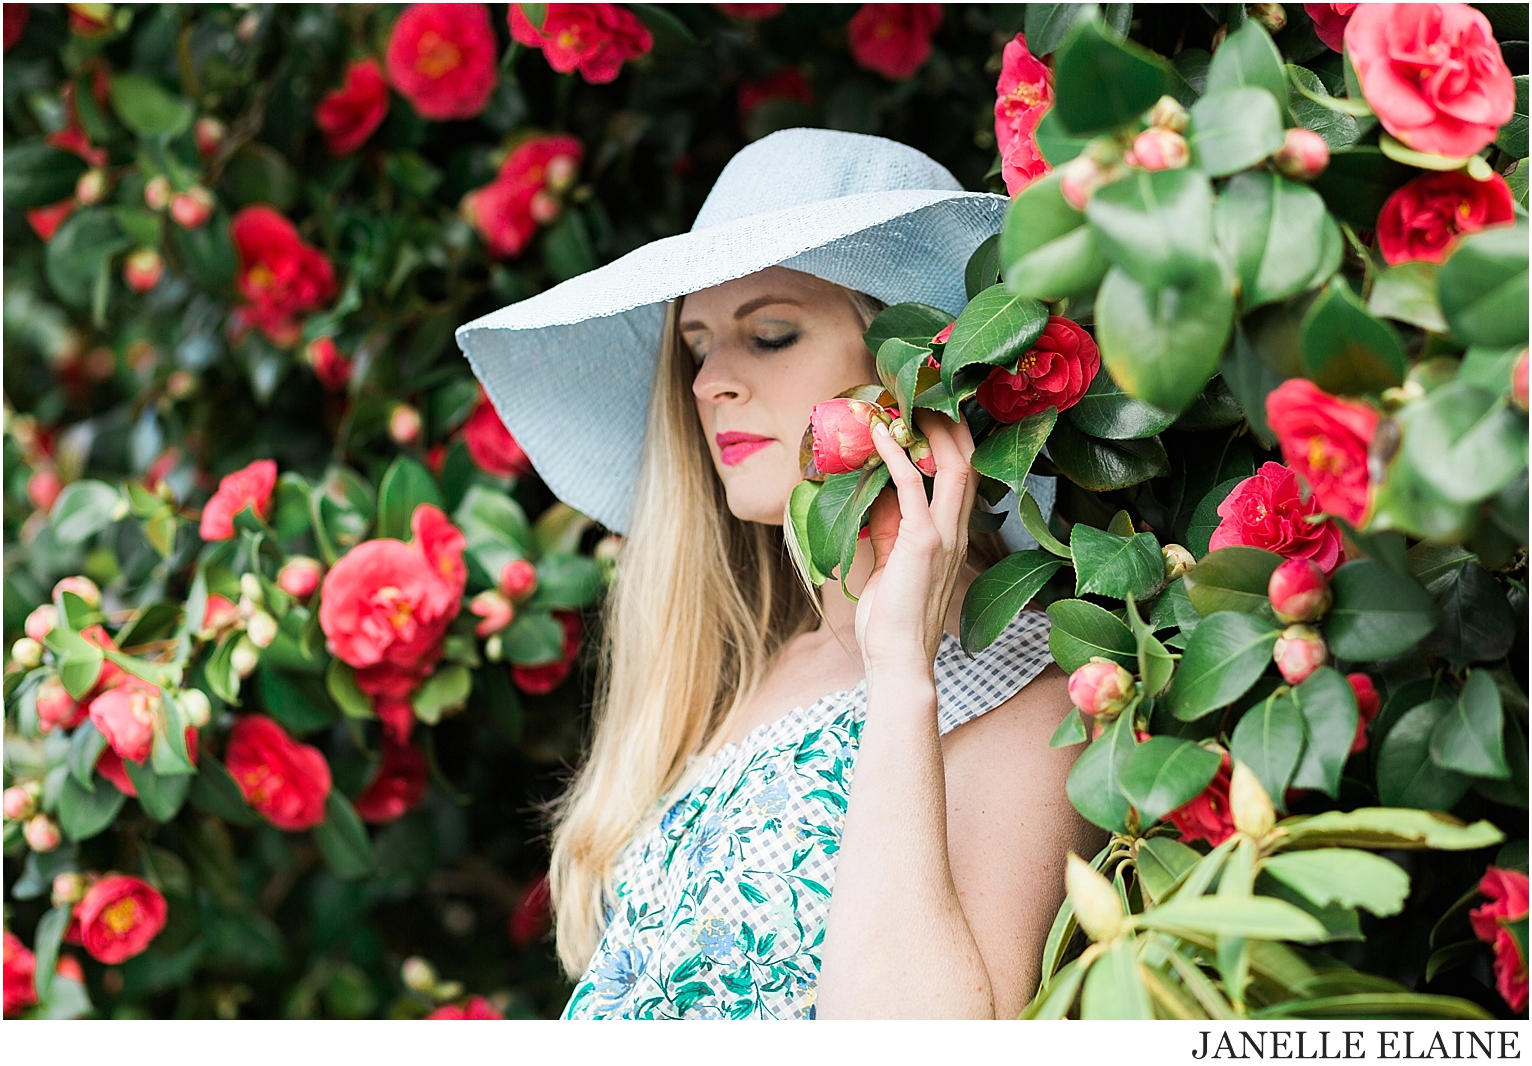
<point>570,369</point>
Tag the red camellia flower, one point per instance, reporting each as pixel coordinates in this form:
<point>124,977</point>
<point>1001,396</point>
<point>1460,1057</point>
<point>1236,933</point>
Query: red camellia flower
<point>1207,815</point>
<point>546,677</point>
<point>893,40</point>
<point>280,276</point>
<point>125,717</point>
<point>331,366</point>
<point>785,84</point>
<point>474,1009</point>
<point>1507,906</point>
<point>441,58</point>
<point>1324,439</point>
<point>348,116</point>
<point>16,16</point>
<point>746,12</point>
<point>20,963</point>
<point>285,781</point>
<point>1268,511</point>
<point>1432,73</point>
<point>491,445</point>
<point>1424,218</point>
<point>249,487</point>
<point>398,786</point>
<point>1368,704</point>
<point>118,917</point>
<point>595,39</point>
<point>508,210</point>
<point>1023,96</point>
<point>1330,22</point>
<point>45,221</point>
<point>1054,373</point>
<point>530,916</point>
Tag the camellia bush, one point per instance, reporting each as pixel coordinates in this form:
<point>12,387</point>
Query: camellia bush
<point>296,637</point>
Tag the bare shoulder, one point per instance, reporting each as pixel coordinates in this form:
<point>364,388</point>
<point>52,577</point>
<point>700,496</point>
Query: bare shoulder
<point>1025,721</point>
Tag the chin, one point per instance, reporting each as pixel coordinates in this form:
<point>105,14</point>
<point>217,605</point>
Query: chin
<point>750,504</point>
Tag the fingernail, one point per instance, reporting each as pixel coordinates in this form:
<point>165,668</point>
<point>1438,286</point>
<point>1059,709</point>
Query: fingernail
<point>879,427</point>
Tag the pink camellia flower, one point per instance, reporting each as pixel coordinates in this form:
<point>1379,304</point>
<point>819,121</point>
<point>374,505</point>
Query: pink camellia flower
<point>1423,219</point>
<point>1299,651</point>
<point>473,1009</point>
<point>331,366</point>
<point>398,786</point>
<point>944,335</point>
<point>110,765</point>
<point>1432,73</point>
<point>249,487</point>
<point>1492,922</point>
<point>118,917</point>
<point>490,445</point>
<point>1519,381</point>
<point>1325,440</point>
<point>441,58</point>
<point>595,39</point>
<point>41,622</point>
<point>1299,591</point>
<point>1268,511</point>
<point>1055,372</point>
<point>1330,22</point>
<point>494,610</point>
<point>299,576</point>
<point>1101,687</point>
<point>518,580</point>
<point>1304,155</point>
<point>347,116</point>
<point>43,488</point>
<point>283,780</point>
<point>1368,704</point>
<point>56,708</point>
<point>125,716</point>
<point>1023,96</point>
<point>1158,149</point>
<point>893,40</point>
<point>788,83</point>
<point>1206,816</point>
<point>20,963</point>
<point>842,434</point>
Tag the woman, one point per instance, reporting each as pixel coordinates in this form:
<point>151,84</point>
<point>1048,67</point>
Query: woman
<point>795,804</point>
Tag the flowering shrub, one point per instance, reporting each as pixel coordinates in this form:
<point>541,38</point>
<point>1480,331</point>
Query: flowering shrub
<point>295,636</point>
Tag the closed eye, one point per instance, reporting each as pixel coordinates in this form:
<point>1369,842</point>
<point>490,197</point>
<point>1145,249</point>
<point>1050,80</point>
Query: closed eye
<point>775,343</point>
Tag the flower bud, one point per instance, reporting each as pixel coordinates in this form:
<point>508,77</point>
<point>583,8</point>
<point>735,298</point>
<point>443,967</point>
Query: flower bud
<point>331,366</point>
<point>55,706</point>
<point>418,974</point>
<point>1303,155</point>
<point>543,208</point>
<point>68,967</point>
<point>250,588</point>
<point>27,653</point>
<point>43,488</point>
<point>1159,149</point>
<point>1272,16</point>
<point>195,706</point>
<point>299,576</point>
<point>518,580</point>
<point>219,614</point>
<point>1249,805</point>
<point>158,193</point>
<point>90,187</point>
<point>495,610</point>
<point>1519,381</point>
<point>1101,687</point>
<point>68,889</point>
<point>1299,651</point>
<point>89,20</point>
<point>1098,907</point>
<point>1080,178</point>
<point>82,587</point>
<point>842,434</point>
<point>1179,561</point>
<point>404,425</point>
<point>245,657</point>
<point>494,649</point>
<point>20,802</point>
<point>192,208</point>
<point>560,172</point>
<point>261,629</point>
<point>1168,114</point>
<point>209,134</point>
<point>42,833</point>
<point>143,270</point>
<point>1299,591</point>
<point>180,384</point>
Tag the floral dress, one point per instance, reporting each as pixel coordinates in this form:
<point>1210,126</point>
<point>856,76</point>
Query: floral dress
<point>719,910</point>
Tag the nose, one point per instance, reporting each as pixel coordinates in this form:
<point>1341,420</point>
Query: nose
<point>718,380</point>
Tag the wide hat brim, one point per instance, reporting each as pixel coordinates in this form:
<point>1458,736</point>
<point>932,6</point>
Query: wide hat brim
<point>570,369</point>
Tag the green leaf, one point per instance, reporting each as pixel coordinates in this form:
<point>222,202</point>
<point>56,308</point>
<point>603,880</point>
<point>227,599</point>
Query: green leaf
<point>1269,740</point>
<point>147,109</point>
<point>1278,235</point>
<point>1162,345</point>
<point>1343,875</point>
<point>1114,987</point>
<point>1032,520</point>
<point>213,790</point>
<point>1512,138</point>
<point>340,683</point>
<point>406,486</point>
<point>1253,917</point>
<point>1156,226</point>
<point>160,796</point>
<point>80,254</point>
<point>1056,144</point>
<point>1483,287</point>
<point>983,267</point>
<point>1103,82</point>
<point>533,637</point>
<point>1470,737</point>
<point>1233,129</point>
<point>1225,655</point>
<point>1081,630</point>
<point>37,174</point>
<point>1233,579</point>
<point>1357,183</point>
<point>1054,1000</point>
<point>1000,593</point>
<point>207,253</point>
<point>1071,265</point>
<point>85,747</point>
<point>292,699</point>
<point>1464,442</point>
<point>1376,1006</point>
<point>258,173</point>
<point>995,329</point>
<point>1328,706</point>
<point>1407,777</point>
<point>1312,108</point>
<point>899,364</point>
<point>1162,863</point>
<point>1163,773</point>
<point>1071,731</point>
<point>443,692</point>
<point>1205,519</point>
<point>46,941</point>
<point>1387,828</point>
<point>496,529</point>
<point>1036,218</point>
<point>170,756</point>
<point>343,840</point>
<point>1378,611</point>
<point>1347,350</point>
<point>83,814</point>
<point>848,523</point>
<point>1105,411</point>
<point>79,661</point>
<point>566,582</point>
<point>1477,622</point>
<point>795,529</point>
<point>833,497</point>
<point>1407,293</point>
<point>1007,453</point>
<point>913,323</point>
<point>1156,666</point>
<point>1248,58</point>
<point>1048,25</point>
<point>1092,784</point>
<point>1102,465</point>
<point>1110,565</point>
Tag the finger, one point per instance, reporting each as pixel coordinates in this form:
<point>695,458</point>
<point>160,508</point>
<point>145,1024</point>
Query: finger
<point>915,512</point>
<point>883,525</point>
<point>953,493</point>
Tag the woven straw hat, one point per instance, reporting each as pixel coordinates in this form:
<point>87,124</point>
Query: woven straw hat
<point>570,369</point>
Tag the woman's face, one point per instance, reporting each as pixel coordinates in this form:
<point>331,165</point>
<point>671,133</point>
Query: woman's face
<point>768,347</point>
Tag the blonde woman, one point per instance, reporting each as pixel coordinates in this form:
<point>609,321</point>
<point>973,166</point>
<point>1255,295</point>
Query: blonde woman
<point>794,805</point>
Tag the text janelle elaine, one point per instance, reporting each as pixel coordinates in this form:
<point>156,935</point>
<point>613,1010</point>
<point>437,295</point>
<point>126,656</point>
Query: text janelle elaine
<point>1472,1044</point>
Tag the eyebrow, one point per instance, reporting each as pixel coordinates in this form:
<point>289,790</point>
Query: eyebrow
<point>745,308</point>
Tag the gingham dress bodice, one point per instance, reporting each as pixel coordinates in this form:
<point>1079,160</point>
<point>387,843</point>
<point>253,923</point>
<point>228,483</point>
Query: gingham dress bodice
<point>719,910</point>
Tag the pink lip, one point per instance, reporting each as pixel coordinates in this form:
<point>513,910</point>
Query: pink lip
<point>734,448</point>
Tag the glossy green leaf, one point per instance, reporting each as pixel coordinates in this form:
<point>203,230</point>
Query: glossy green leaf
<point>83,814</point>
<point>1156,666</point>
<point>1163,773</point>
<point>1233,579</point>
<point>80,252</point>
<point>899,364</point>
<point>1048,25</point>
<point>1117,566</point>
<point>1310,106</point>
<point>343,840</point>
<point>995,329</point>
<point>1056,144</point>
<point>148,109</point>
<point>1253,917</point>
<point>795,529</point>
<point>1103,82</point>
<point>1378,611</point>
<point>1380,1006</point>
<point>1248,58</point>
<point>1081,630</point>
<point>1162,345</point>
<point>37,174</point>
<point>1092,784</point>
<point>913,323</point>
<point>1347,350</point>
<point>1226,654</point>
<point>214,791</point>
<point>79,661</point>
<point>1071,731</point>
<point>1278,235</point>
<point>406,485</point>
<point>442,693</point>
<point>1477,623</point>
<point>1407,777</point>
<point>1070,265</point>
<point>1512,138</point>
<point>1387,827</point>
<point>1031,518</point>
<point>1105,411</point>
<point>1483,287</point>
<point>1205,519</point>
<point>533,637</point>
<point>46,941</point>
<point>1162,863</point>
<point>1008,453</point>
<point>1488,368</point>
<point>85,747</point>
<point>1407,293</point>
<point>1470,737</point>
<point>340,683</point>
<point>834,495</point>
<point>1156,226</point>
<point>1328,705</point>
<point>1037,216</point>
<point>1269,739</point>
<point>983,267</point>
<point>1104,465</point>
<point>1343,875</point>
<point>1114,988</point>
<point>1233,129</point>
<point>848,523</point>
<point>1000,593</point>
<point>160,796</point>
<point>1464,442</point>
